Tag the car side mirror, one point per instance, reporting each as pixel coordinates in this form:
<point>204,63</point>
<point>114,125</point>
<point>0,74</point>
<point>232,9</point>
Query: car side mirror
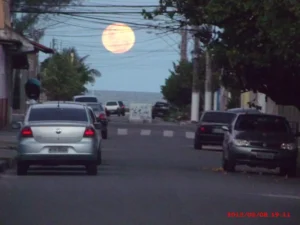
<point>225,128</point>
<point>97,125</point>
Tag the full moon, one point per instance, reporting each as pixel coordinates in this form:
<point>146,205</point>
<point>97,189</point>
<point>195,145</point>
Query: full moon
<point>118,38</point>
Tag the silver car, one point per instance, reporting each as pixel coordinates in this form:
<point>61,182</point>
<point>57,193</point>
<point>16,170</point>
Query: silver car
<point>59,133</point>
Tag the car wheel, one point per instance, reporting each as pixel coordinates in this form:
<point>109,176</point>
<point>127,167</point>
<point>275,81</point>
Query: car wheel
<point>92,169</point>
<point>290,171</point>
<point>228,164</point>
<point>197,145</point>
<point>123,114</point>
<point>104,134</point>
<point>22,168</point>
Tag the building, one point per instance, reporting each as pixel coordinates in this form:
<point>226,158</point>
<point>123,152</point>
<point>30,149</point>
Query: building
<point>15,50</point>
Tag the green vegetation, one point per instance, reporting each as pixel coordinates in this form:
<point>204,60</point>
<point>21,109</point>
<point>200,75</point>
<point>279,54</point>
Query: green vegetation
<point>258,42</point>
<point>65,74</point>
<point>34,24</point>
<point>177,89</point>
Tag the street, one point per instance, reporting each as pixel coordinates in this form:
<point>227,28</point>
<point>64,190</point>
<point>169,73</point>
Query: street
<point>149,179</point>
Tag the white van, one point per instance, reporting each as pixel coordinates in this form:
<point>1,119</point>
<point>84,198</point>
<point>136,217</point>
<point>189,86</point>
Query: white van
<point>85,98</point>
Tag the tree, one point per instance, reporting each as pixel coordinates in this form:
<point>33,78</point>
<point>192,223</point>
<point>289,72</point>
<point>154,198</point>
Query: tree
<point>178,86</point>
<point>64,75</point>
<point>260,40</point>
<point>28,18</point>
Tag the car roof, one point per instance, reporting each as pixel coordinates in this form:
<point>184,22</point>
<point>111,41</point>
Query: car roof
<point>261,115</point>
<point>55,104</point>
<point>80,96</point>
<point>243,110</point>
<point>213,111</point>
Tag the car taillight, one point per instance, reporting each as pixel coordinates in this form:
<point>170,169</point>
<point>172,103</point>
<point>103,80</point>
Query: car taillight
<point>202,129</point>
<point>102,116</point>
<point>89,132</point>
<point>26,132</point>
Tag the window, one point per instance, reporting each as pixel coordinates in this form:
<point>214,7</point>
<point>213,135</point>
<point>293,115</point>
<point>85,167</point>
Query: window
<point>217,117</point>
<point>92,116</point>
<point>111,103</point>
<point>57,114</point>
<point>86,99</point>
<point>259,123</point>
<point>96,107</point>
<point>161,104</point>
<point>121,103</point>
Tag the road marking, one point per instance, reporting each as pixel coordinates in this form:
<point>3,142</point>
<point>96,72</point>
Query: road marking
<point>145,132</point>
<point>168,133</point>
<point>295,197</point>
<point>122,131</point>
<point>190,135</point>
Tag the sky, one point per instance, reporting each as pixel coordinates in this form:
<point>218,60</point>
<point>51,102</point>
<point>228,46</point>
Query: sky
<point>144,68</point>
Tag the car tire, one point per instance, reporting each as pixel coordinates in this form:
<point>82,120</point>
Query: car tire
<point>197,145</point>
<point>22,168</point>
<point>228,164</point>
<point>104,134</point>
<point>123,114</point>
<point>290,171</point>
<point>92,169</point>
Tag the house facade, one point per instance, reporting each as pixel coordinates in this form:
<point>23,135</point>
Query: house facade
<point>16,53</point>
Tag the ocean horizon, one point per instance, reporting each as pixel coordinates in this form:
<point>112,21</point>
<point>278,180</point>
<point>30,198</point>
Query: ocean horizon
<point>127,97</point>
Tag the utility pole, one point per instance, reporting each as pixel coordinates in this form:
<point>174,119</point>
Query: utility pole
<point>183,44</point>
<point>208,81</point>
<point>196,82</point>
<point>53,44</point>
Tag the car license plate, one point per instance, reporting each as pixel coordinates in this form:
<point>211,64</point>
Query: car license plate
<point>218,131</point>
<point>58,149</point>
<point>265,156</point>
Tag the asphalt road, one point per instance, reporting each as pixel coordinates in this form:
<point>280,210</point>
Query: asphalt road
<point>148,180</point>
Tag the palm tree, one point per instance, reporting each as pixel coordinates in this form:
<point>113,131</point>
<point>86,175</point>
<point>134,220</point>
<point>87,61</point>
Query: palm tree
<point>87,74</point>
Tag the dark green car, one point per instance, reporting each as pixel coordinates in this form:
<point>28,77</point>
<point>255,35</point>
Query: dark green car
<point>260,140</point>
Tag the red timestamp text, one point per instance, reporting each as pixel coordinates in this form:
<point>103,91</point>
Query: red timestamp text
<point>258,215</point>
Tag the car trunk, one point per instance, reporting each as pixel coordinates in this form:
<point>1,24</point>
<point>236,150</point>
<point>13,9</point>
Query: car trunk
<point>58,132</point>
<point>212,128</point>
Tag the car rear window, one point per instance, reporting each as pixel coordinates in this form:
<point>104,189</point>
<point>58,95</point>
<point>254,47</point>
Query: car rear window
<point>111,103</point>
<point>161,104</point>
<point>86,99</point>
<point>120,103</point>
<point>96,107</point>
<point>57,114</point>
<point>262,124</point>
<point>217,117</point>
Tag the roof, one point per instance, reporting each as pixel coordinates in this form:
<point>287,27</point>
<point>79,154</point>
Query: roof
<point>214,111</point>
<point>80,96</point>
<point>261,114</point>
<point>42,48</point>
<point>53,104</point>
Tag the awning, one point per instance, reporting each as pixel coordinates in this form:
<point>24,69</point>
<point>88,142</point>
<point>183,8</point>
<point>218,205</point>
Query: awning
<point>42,48</point>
